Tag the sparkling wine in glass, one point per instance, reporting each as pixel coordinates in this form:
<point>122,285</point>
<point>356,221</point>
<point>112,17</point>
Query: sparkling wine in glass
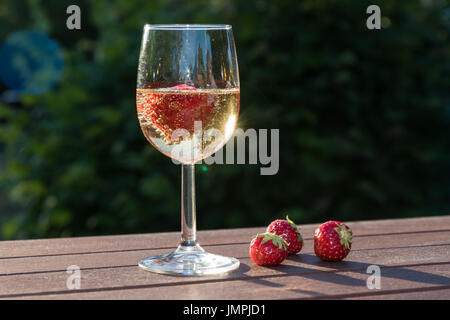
<point>187,102</point>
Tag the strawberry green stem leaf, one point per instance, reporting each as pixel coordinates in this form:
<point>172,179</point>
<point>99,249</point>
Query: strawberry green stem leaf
<point>264,236</point>
<point>289,220</point>
<point>277,241</point>
<point>297,228</point>
<point>345,235</point>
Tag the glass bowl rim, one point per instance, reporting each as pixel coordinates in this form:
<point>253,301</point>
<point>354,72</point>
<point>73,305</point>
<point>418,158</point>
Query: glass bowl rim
<point>187,26</point>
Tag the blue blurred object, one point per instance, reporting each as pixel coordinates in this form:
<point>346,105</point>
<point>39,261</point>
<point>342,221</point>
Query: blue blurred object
<point>30,62</point>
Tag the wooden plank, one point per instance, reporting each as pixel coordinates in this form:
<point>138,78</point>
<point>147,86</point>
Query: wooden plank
<point>432,293</point>
<point>306,286</point>
<point>45,247</point>
<point>298,266</point>
<point>131,257</point>
<point>36,268</point>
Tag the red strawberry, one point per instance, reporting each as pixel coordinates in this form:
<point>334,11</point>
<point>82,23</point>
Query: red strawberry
<point>332,241</point>
<point>168,111</point>
<point>268,249</point>
<point>183,87</point>
<point>289,231</point>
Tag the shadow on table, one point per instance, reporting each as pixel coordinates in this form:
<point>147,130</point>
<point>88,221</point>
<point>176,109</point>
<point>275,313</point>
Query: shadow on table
<point>330,275</point>
<point>393,272</point>
<point>244,268</point>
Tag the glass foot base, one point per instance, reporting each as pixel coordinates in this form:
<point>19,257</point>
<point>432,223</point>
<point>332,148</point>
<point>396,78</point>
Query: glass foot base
<point>190,261</point>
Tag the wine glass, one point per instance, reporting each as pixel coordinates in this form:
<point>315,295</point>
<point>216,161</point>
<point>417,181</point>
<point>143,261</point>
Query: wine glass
<point>187,104</point>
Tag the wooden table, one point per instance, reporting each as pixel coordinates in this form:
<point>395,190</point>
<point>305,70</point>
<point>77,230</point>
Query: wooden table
<point>413,256</point>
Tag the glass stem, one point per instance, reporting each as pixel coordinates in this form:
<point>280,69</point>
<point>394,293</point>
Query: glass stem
<point>188,219</point>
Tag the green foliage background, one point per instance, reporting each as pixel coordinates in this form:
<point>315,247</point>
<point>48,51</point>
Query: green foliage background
<point>363,118</point>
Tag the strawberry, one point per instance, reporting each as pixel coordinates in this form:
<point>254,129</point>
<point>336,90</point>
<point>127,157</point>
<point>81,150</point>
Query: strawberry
<point>168,111</point>
<point>289,231</point>
<point>183,87</point>
<point>332,241</point>
<point>268,249</point>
